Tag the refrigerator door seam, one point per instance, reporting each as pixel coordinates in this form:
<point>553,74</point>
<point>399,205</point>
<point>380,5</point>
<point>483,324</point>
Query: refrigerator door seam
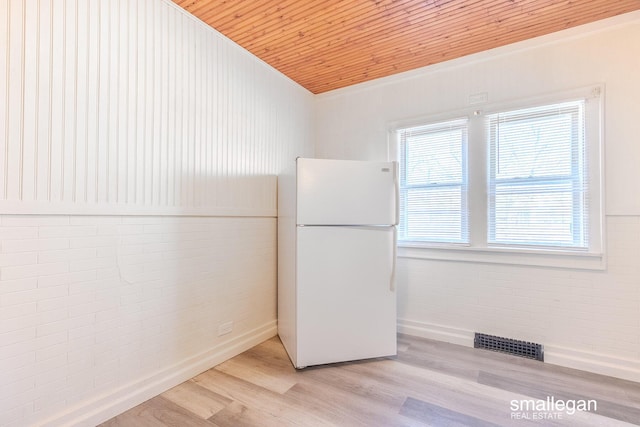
<point>397,190</point>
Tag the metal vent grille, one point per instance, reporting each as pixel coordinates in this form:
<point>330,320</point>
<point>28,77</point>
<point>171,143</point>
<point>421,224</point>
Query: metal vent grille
<point>507,345</point>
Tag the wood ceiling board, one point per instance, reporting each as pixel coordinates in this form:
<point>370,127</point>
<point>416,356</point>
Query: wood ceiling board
<point>326,45</point>
<point>472,40</point>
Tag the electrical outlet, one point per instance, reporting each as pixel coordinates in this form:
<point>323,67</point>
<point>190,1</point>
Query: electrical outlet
<point>225,328</point>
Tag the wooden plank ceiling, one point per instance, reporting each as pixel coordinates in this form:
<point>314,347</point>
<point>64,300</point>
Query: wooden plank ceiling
<point>329,44</point>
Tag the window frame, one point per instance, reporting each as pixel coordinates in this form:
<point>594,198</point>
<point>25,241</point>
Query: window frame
<point>478,250</point>
<point>455,123</point>
<point>577,178</point>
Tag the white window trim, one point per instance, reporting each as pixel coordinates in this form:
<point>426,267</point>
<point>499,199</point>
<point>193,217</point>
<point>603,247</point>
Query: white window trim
<point>594,259</point>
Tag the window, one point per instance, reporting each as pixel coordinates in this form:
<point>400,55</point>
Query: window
<point>519,179</point>
<point>537,184</point>
<point>433,183</point>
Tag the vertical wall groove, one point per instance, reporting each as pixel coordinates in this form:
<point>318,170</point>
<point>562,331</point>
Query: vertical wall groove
<point>63,136</point>
<point>143,142</point>
<point>97,92</point>
<point>137,107</point>
<point>118,83</point>
<point>134,140</point>
<point>50,105</point>
<point>37,108</point>
<point>5,174</point>
<point>162,196</point>
<point>74,157</point>
<point>23,40</point>
<point>107,139</point>
<point>85,196</point>
<point>152,138</point>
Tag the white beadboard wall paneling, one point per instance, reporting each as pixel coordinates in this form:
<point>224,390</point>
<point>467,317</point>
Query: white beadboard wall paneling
<point>136,107</point>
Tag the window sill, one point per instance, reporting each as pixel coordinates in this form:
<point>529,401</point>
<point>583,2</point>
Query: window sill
<point>524,257</point>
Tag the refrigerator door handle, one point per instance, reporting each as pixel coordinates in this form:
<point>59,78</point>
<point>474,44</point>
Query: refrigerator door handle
<point>392,285</point>
<point>397,191</point>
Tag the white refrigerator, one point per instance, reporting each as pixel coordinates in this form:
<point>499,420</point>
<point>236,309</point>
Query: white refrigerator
<point>337,257</point>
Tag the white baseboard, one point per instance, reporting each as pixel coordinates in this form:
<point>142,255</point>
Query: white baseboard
<point>436,332</point>
<point>604,364</point>
<point>104,407</point>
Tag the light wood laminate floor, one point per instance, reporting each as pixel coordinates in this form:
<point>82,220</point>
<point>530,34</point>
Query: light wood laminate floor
<point>429,383</point>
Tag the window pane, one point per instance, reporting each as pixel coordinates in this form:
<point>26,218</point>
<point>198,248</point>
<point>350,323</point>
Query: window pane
<point>536,214</point>
<point>435,214</point>
<point>535,147</point>
<point>434,158</point>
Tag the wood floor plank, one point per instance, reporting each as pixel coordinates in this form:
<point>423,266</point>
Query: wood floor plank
<point>259,372</point>
<point>157,412</point>
<point>467,363</point>
<point>252,396</point>
<point>402,346</point>
<point>271,349</point>
<point>238,415</point>
<point>437,415</point>
<point>197,399</point>
<point>340,408</point>
<point>343,383</point>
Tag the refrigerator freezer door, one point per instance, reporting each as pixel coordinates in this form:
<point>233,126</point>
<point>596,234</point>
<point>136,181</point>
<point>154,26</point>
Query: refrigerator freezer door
<point>346,302</point>
<point>346,192</point>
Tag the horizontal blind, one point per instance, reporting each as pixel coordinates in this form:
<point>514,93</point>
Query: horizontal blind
<point>537,180</point>
<point>433,183</point>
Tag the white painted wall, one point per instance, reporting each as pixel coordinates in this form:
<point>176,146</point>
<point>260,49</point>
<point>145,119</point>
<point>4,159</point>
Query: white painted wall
<point>586,319</point>
<point>173,135</point>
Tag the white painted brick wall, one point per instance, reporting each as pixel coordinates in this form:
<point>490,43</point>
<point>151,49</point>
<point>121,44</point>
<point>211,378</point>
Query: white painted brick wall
<point>590,311</point>
<point>89,303</point>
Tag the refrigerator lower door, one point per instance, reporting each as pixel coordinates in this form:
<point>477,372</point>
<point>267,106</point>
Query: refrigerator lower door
<point>345,294</point>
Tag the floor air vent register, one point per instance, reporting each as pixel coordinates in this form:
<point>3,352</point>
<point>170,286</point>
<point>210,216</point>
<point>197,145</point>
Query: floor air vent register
<point>510,346</point>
